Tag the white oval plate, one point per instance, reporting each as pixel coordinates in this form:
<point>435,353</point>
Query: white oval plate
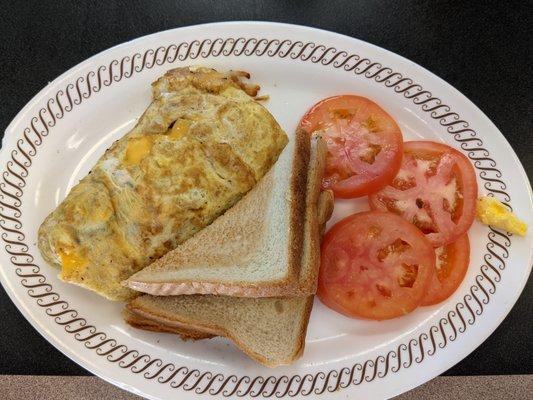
<point>59,135</point>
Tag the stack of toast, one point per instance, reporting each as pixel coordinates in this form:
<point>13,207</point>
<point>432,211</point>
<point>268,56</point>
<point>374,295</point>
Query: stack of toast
<point>252,274</point>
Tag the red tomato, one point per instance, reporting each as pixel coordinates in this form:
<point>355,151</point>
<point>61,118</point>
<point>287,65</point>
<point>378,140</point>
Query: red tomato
<point>364,144</point>
<point>452,263</point>
<point>375,265</point>
<point>436,190</point>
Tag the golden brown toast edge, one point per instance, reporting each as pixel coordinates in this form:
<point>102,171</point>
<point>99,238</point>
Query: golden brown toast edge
<point>148,324</point>
<point>150,320</point>
<point>305,185</point>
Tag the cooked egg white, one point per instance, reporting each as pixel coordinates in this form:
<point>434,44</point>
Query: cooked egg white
<point>492,212</point>
<point>199,147</point>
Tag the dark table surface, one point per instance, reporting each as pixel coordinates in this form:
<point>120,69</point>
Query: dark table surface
<point>483,50</point>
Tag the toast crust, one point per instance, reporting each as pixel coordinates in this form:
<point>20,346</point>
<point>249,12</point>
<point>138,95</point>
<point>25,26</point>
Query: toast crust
<point>325,209</point>
<point>155,320</point>
<point>151,319</point>
<point>299,208</point>
<point>147,324</point>
<point>309,161</point>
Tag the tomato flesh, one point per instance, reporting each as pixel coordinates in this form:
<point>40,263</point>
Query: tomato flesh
<point>375,265</point>
<point>364,144</point>
<point>452,264</point>
<point>435,189</point>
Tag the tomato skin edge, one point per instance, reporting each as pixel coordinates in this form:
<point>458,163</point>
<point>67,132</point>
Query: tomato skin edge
<point>327,299</point>
<point>375,185</point>
<point>342,189</point>
<point>469,188</point>
<point>462,247</point>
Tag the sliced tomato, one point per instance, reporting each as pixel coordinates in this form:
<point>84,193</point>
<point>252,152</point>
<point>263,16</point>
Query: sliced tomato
<point>364,144</point>
<point>452,264</point>
<point>375,265</point>
<point>436,190</point>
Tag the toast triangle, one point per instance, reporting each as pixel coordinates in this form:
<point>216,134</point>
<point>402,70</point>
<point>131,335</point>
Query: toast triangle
<point>255,248</point>
<point>270,330</point>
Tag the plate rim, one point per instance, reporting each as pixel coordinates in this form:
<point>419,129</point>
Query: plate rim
<point>37,98</point>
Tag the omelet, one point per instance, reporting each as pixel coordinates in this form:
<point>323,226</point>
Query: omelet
<point>202,143</point>
<point>492,212</point>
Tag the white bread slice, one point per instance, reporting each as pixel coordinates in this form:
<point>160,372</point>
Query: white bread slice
<point>270,330</point>
<point>255,248</point>
<point>139,322</point>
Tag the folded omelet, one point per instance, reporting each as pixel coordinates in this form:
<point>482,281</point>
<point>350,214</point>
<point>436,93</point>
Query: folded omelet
<point>203,142</point>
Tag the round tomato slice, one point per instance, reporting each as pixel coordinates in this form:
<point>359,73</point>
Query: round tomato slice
<point>375,265</point>
<point>436,190</point>
<point>452,264</point>
<point>364,144</point>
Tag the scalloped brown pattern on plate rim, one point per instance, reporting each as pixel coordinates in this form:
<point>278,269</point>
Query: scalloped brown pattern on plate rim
<point>456,322</point>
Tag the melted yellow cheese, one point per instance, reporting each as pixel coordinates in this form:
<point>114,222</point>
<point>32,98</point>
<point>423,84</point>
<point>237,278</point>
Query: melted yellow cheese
<point>71,262</point>
<point>491,212</point>
<point>138,148</point>
<point>157,186</point>
<point>179,129</point>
